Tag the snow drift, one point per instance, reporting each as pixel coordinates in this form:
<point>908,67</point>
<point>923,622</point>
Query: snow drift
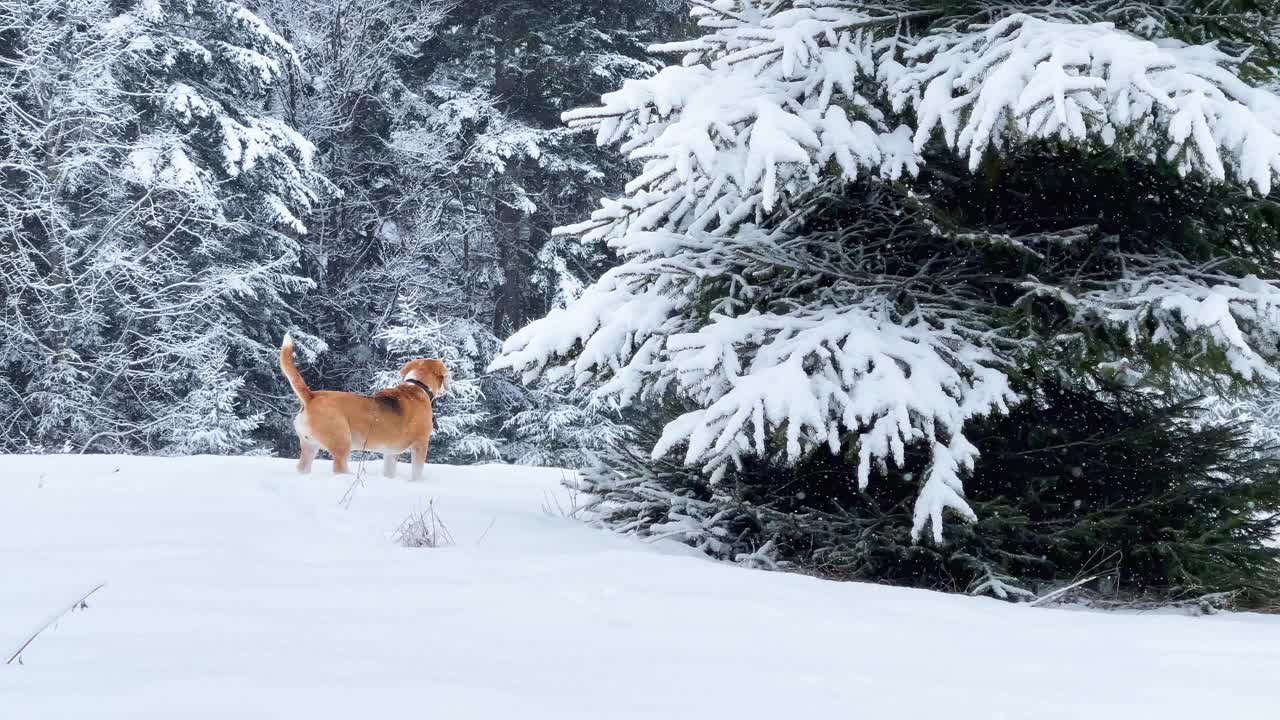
<point>235,588</point>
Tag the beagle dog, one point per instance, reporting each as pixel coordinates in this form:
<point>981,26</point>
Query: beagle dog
<point>389,421</point>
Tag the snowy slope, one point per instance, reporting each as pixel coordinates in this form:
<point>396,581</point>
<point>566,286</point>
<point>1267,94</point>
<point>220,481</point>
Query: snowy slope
<point>236,589</point>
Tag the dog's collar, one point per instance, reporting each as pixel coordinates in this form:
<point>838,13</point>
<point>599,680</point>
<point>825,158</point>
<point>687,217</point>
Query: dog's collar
<point>430,393</point>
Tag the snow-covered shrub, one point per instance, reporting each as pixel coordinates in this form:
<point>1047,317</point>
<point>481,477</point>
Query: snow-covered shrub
<point>208,421</point>
<point>867,231</point>
<point>561,426</point>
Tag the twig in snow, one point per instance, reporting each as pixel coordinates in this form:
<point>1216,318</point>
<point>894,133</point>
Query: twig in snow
<point>1199,605</point>
<point>486,530</point>
<point>424,529</point>
<point>552,505</point>
<point>79,604</point>
<point>1061,591</point>
<point>350,494</point>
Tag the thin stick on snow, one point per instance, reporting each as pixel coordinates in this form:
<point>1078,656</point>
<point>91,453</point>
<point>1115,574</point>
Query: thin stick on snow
<point>486,530</point>
<point>350,494</point>
<point>79,604</point>
<point>1060,591</point>
<point>442,531</point>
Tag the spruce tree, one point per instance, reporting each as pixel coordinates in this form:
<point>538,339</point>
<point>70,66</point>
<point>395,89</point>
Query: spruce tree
<point>865,237</point>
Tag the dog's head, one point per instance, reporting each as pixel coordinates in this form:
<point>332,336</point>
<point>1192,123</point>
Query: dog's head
<point>428,371</point>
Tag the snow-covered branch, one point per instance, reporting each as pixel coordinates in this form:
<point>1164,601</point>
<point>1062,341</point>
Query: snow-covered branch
<point>1029,78</point>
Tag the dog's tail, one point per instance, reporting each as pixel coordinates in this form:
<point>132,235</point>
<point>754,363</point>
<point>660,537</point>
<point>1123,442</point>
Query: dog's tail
<point>291,371</point>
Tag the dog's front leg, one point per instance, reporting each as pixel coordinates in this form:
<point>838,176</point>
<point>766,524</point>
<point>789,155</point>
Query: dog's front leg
<point>420,458</point>
<point>389,462</point>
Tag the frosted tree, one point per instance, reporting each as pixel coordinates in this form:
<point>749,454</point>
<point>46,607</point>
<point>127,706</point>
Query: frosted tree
<point>1258,412</point>
<point>561,425</point>
<point>862,230</point>
<point>210,418</point>
<point>149,218</point>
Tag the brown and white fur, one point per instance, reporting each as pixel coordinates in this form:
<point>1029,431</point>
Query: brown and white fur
<point>389,421</point>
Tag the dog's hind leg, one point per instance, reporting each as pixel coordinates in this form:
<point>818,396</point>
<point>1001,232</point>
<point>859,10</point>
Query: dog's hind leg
<point>307,456</point>
<point>341,452</point>
<point>389,462</point>
<point>309,447</point>
<point>334,435</point>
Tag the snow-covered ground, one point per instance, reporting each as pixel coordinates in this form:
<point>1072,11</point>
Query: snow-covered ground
<point>237,589</point>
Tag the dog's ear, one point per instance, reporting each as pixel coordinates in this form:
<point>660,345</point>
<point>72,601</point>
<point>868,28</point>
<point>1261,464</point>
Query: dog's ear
<point>404,369</point>
<point>441,373</point>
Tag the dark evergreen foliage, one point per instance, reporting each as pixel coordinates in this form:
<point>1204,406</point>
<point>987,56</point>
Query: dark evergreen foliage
<point>1074,484</point>
<point>505,72</point>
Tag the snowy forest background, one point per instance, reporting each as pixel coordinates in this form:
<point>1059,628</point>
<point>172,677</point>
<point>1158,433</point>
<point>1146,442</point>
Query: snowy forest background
<point>967,295</point>
<point>187,181</point>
